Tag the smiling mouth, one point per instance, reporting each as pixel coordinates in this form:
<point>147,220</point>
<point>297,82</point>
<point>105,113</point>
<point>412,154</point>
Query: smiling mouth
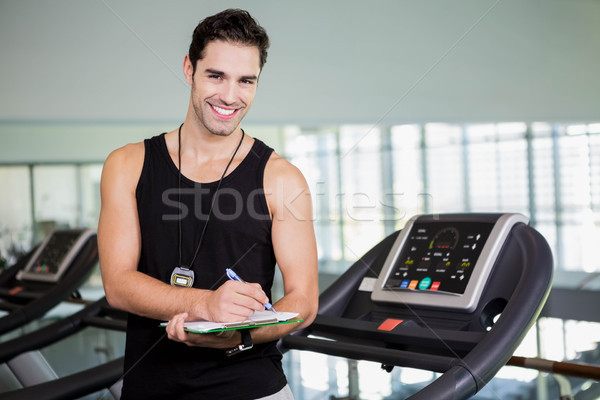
<point>224,112</point>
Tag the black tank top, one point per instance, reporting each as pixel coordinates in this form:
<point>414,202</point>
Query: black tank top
<point>238,233</point>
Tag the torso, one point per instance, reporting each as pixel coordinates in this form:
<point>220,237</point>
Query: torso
<point>226,243</point>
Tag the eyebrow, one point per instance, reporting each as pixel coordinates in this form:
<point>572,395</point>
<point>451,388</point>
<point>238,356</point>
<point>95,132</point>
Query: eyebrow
<point>221,73</point>
<point>214,72</point>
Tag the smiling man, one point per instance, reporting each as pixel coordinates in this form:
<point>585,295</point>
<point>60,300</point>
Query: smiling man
<point>220,99</point>
<point>251,211</point>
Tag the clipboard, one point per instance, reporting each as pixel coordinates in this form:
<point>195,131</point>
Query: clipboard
<point>259,318</point>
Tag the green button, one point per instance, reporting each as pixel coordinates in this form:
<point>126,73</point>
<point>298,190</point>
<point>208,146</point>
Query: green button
<point>424,284</point>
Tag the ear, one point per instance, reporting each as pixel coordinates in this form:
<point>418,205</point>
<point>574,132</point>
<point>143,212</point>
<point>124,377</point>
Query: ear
<point>188,69</point>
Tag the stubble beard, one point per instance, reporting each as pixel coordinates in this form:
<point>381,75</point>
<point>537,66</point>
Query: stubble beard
<point>210,125</point>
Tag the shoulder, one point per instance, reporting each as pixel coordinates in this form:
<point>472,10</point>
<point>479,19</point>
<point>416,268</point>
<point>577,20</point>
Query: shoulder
<point>279,170</point>
<point>126,153</point>
<point>287,190</point>
<point>124,164</point>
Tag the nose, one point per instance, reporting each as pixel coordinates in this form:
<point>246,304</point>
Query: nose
<point>229,94</point>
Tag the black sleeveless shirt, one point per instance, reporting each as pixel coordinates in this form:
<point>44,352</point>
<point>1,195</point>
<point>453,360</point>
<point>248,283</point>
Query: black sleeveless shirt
<point>238,233</point>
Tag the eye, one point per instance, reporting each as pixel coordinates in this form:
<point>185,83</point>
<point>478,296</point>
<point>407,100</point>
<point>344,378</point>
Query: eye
<point>215,76</point>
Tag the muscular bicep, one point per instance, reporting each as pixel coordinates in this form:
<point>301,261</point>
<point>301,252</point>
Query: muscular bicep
<point>294,241</point>
<point>119,240</point>
<point>293,237</point>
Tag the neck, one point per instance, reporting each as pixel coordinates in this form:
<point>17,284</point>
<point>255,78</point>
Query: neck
<point>202,144</point>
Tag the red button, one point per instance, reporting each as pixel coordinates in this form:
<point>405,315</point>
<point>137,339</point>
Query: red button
<point>389,324</point>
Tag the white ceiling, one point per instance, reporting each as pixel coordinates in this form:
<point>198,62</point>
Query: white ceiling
<point>330,61</point>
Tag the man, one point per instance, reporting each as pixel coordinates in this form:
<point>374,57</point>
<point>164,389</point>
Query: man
<point>180,208</point>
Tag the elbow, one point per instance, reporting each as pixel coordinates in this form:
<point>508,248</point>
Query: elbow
<point>314,311</point>
<point>308,320</point>
<point>310,313</point>
<point>115,288</point>
<point>312,305</point>
<point>112,298</point>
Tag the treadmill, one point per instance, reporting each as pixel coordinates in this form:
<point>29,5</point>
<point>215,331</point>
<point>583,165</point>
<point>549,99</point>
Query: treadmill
<point>39,380</point>
<point>51,274</point>
<point>450,293</point>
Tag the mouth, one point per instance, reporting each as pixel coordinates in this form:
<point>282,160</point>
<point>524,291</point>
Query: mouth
<point>224,113</point>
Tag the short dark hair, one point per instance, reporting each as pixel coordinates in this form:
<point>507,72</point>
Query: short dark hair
<point>232,25</point>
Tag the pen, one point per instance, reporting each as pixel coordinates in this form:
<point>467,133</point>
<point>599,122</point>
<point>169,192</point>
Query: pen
<point>234,277</point>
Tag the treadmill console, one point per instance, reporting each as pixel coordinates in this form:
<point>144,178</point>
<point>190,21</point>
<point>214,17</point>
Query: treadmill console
<point>53,257</point>
<point>444,261</point>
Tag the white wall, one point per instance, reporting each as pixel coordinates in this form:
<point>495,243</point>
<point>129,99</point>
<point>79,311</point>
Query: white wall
<point>119,62</point>
<point>56,142</point>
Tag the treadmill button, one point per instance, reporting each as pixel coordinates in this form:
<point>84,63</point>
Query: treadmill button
<point>389,324</point>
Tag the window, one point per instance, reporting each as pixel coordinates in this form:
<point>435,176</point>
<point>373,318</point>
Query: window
<point>366,181</point>
<point>16,219</point>
<point>45,197</point>
<point>55,197</point>
<point>444,168</point>
<point>407,196</point>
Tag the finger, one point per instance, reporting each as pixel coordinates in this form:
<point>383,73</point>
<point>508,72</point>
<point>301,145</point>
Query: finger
<point>253,291</point>
<point>235,301</point>
<point>224,334</point>
<point>175,329</point>
<point>171,327</point>
<point>248,305</point>
<point>236,313</point>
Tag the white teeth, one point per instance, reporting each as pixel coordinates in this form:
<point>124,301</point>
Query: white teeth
<point>223,111</point>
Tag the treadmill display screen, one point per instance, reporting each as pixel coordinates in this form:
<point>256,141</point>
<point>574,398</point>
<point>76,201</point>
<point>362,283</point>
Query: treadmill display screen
<point>54,256</point>
<point>438,256</point>
<point>54,253</point>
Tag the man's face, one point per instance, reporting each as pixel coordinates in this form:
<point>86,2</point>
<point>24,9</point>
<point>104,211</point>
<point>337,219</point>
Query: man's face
<point>224,85</point>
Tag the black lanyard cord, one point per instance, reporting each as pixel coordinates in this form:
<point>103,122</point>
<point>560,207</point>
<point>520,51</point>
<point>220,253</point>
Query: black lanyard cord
<point>213,199</point>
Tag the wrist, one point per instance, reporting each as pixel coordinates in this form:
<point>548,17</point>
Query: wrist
<point>245,343</point>
<point>197,305</point>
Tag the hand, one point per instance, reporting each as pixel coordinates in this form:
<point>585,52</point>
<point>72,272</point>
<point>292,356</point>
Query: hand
<point>220,340</point>
<point>235,301</point>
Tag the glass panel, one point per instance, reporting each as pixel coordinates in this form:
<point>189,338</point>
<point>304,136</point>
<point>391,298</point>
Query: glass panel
<point>497,170</point>
<point>407,195</point>
<point>481,133</point>
<point>15,214</point>
<point>361,178</point>
<point>56,198</point>
<point>594,154</point>
<point>90,194</point>
<point>482,169</point>
<point>543,186</point>
<point>580,240</point>
<point>541,129</point>
<point>574,172</point>
<point>445,163</point>
<point>513,181</point>
<point>315,155</point>
<point>543,174</point>
<point>511,130</point>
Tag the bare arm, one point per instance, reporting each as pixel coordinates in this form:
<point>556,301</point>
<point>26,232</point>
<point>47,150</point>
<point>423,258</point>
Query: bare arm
<point>119,241</point>
<point>293,242</point>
